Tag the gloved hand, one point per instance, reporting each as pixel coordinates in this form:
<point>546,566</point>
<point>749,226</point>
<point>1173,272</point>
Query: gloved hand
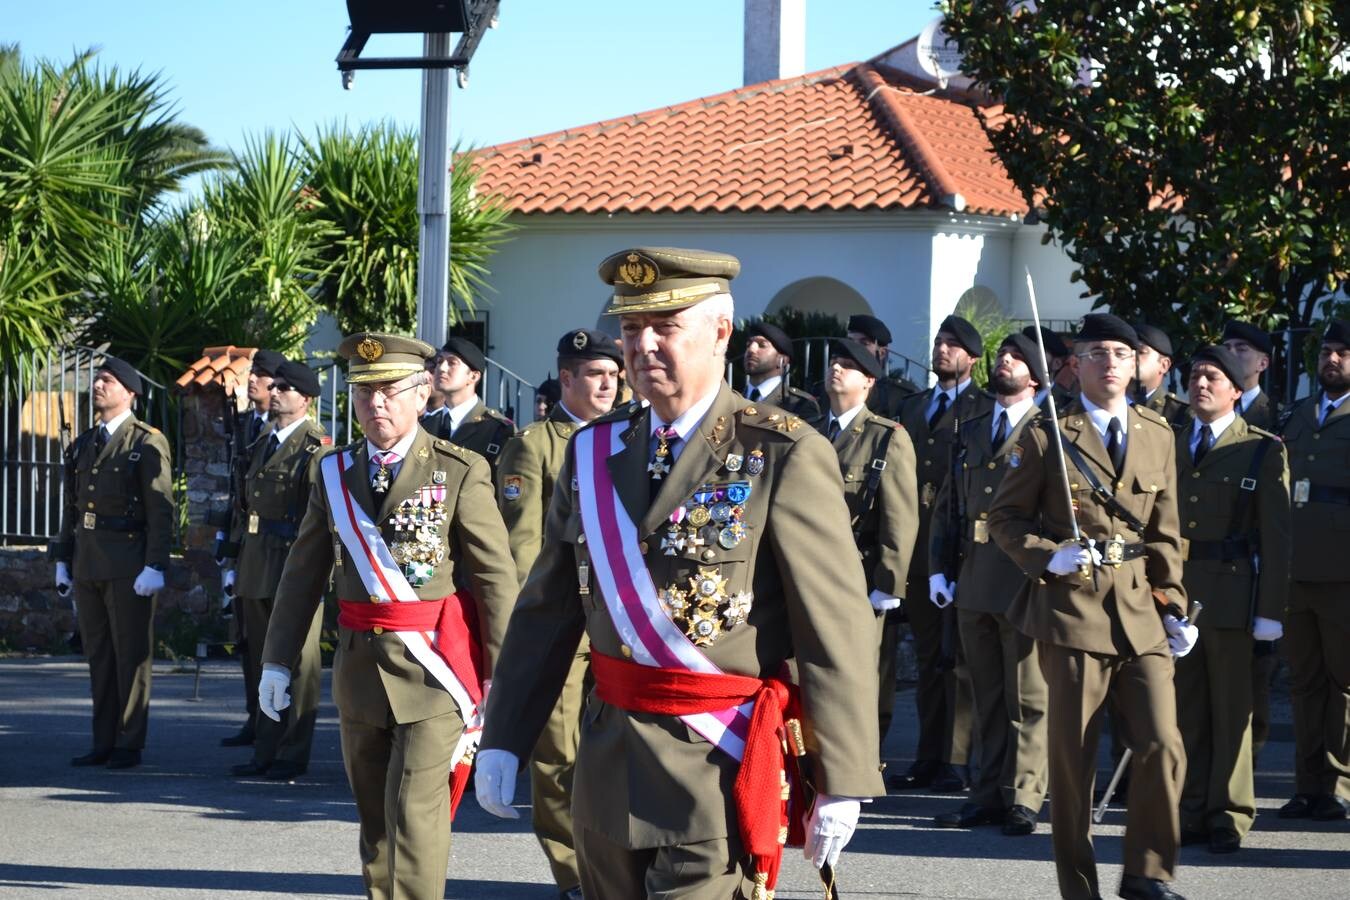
<point>63,581</point>
<point>941,591</point>
<point>226,587</point>
<point>829,828</point>
<point>1069,559</point>
<point>272,696</point>
<point>148,582</point>
<point>494,781</point>
<point>1263,629</point>
<point>1181,638</point>
<point>220,560</point>
<point>881,602</point>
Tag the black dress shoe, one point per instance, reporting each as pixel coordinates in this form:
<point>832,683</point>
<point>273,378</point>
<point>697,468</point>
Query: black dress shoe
<point>241,738</point>
<point>1224,840</point>
<point>1019,820</point>
<point>250,769</point>
<point>281,770</point>
<point>950,780</point>
<point>969,816</point>
<point>1137,887</point>
<point>1192,836</point>
<point>1328,808</point>
<point>920,774</point>
<point>124,759</point>
<point>570,894</point>
<point>92,758</point>
<point>1298,807</point>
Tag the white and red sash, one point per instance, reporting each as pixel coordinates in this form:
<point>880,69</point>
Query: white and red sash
<point>384,580</point>
<point>629,592</point>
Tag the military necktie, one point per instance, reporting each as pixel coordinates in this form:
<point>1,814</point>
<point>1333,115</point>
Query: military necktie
<point>273,445</point>
<point>100,440</point>
<point>1000,430</point>
<point>255,424</point>
<point>384,473</point>
<point>1202,446</point>
<point>663,456</point>
<point>937,413</point>
<point>753,396</point>
<point>832,430</point>
<point>1115,445</point>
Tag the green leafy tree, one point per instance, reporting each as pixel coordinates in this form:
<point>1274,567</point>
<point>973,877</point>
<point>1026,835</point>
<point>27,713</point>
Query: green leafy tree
<point>1188,155</point>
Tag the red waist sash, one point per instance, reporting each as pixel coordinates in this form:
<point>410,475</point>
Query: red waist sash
<point>770,816</point>
<point>361,616</point>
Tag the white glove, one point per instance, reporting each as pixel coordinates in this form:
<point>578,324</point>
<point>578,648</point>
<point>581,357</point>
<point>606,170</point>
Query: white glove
<point>220,560</point>
<point>149,582</point>
<point>941,591</point>
<point>829,828</point>
<point>63,581</point>
<point>1262,629</point>
<point>226,587</point>
<point>881,602</point>
<point>1067,560</point>
<point>1181,638</point>
<point>272,696</point>
<point>494,781</point>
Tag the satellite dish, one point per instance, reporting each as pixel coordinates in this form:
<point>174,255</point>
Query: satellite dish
<point>938,54</point>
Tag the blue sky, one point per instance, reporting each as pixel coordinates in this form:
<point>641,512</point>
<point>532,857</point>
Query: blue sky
<point>240,67</point>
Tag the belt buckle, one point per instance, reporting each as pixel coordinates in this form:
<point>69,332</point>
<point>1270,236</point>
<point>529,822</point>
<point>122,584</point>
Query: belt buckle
<point>90,521</point>
<point>981,531</point>
<point>1113,553</point>
<point>252,523</point>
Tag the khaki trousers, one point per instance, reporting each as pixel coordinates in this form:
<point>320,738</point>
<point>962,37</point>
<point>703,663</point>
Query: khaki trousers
<point>942,698</point>
<point>1010,698</point>
<point>117,628</point>
<point>552,765</point>
<point>1317,647</point>
<point>1142,686</point>
<point>888,635</point>
<point>1214,713</point>
<point>708,870</point>
<point>400,778</point>
<point>292,738</point>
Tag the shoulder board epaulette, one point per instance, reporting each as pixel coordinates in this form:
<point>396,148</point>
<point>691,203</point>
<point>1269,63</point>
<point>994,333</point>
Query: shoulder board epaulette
<point>1149,415</point>
<point>1270,435</point>
<point>144,426</point>
<point>884,423</point>
<point>526,432</point>
<point>455,451</point>
<point>617,414</point>
<point>1175,399</point>
<point>774,419</point>
<point>499,416</point>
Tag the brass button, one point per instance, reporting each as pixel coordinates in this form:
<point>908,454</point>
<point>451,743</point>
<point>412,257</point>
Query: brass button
<point>1316,437</point>
<point>1195,499</point>
<point>1152,487</point>
<point>91,502</point>
<point>1190,524</point>
<point>1195,474</point>
<point>926,462</point>
<point>984,515</point>
<point>626,650</point>
<point>642,547</point>
<point>848,477</point>
<point>91,487</point>
<point>581,539</point>
<point>709,555</point>
<point>378,630</point>
<point>749,411</point>
<point>988,490</point>
<point>931,441</point>
<point>374,599</point>
<point>991,466</point>
<point>93,471</point>
<point>1311,457</point>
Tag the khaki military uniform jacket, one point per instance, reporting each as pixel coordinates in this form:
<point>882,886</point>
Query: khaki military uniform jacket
<point>1206,497</point>
<point>272,498</point>
<point>1319,458</point>
<point>645,780</point>
<point>1171,407</point>
<point>525,481</point>
<point>987,579</point>
<point>119,510</point>
<point>375,680</point>
<point>1262,413</point>
<point>1030,520</point>
<point>482,430</point>
<point>886,531</point>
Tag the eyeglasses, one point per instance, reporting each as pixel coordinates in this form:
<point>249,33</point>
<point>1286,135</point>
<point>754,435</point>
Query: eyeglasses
<point>1101,355</point>
<point>280,388</point>
<point>365,393</point>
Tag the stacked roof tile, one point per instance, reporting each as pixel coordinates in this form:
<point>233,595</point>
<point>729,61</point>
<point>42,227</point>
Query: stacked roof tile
<point>227,366</point>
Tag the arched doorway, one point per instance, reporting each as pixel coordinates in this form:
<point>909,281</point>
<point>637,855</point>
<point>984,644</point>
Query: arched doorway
<point>820,294</point>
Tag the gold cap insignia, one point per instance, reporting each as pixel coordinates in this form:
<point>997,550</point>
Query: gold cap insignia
<point>579,340</point>
<point>637,271</point>
<point>370,349</point>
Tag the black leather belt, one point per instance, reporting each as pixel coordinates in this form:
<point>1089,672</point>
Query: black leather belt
<point>1320,493</point>
<point>278,528</point>
<point>1115,551</point>
<point>93,522</point>
<point>1225,550</point>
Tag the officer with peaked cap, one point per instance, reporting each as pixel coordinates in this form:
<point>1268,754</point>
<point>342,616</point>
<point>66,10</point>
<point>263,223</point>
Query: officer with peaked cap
<point>116,532</point>
<point>699,542</point>
<point>406,526</point>
<point>589,363</point>
<point>1155,361</point>
<point>1317,625</point>
<point>1094,608</point>
<point>466,420</point>
<point>768,356</point>
<point>943,692</point>
<point>275,490</point>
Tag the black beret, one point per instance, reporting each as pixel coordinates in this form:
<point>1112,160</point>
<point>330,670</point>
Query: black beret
<point>1245,331</point>
<point>550,389</point>
<point>124,372</point>
<point>1030,353</point>
<point>866,359</point>
<point>771,333</point>
<point>1054,344</point>
<point>966,334</point>
<point>468,351</point>
<point>584,343</point>
<point>1338,332</point>
<point>1106,327</point>
<point>299,376</point>
<point>870,326</point>
<point>267,361</point>
<point>1154,337</point>
<point>1225,359</point>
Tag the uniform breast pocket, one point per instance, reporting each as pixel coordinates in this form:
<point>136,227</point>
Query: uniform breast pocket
<point>1144,489</point>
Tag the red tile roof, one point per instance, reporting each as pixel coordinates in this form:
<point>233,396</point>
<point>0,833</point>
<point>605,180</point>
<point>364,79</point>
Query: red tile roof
<point>853,137</point>
<point>227,366</point>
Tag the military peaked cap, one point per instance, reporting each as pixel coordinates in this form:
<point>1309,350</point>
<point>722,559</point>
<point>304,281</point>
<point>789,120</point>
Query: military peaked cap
<point>665,279</point>
<point>373,356</point>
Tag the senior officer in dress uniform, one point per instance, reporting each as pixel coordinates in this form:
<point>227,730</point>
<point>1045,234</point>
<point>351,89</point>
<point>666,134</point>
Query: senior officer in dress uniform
<point>700,542</point>
<point>767,359</point>
<point>589,363</point>
<point>466,420</point>
<point>1317,625</point>
<point>943,692</point>
<point>1007,686</point>
<point>1155,361</point>
<point>397,519</point>
<point>274,493</point>
<point>116,531</point>
<point>1094,610</point>
<point>876,458</point>
<point>1233,487</point>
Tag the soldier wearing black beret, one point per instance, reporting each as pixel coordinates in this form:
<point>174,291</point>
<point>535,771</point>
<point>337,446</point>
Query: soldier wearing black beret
<point>1155,361</point>
<point>767,359</point>
<point>465,419</point>
<point>1063,377</point>
<point>873,334</point>
<point>1253,347</point>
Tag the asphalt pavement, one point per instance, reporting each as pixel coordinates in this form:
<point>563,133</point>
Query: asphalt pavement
<point>180,826</point>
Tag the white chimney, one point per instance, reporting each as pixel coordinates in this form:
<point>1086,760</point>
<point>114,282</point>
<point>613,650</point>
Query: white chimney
<point>775,39</point>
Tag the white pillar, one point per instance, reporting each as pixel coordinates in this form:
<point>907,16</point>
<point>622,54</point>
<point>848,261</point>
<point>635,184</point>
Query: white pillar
<point>775,39</point>
<point>433,197</point>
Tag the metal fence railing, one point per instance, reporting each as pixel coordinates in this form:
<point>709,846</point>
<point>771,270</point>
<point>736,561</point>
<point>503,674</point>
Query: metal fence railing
<point>508,392</point>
